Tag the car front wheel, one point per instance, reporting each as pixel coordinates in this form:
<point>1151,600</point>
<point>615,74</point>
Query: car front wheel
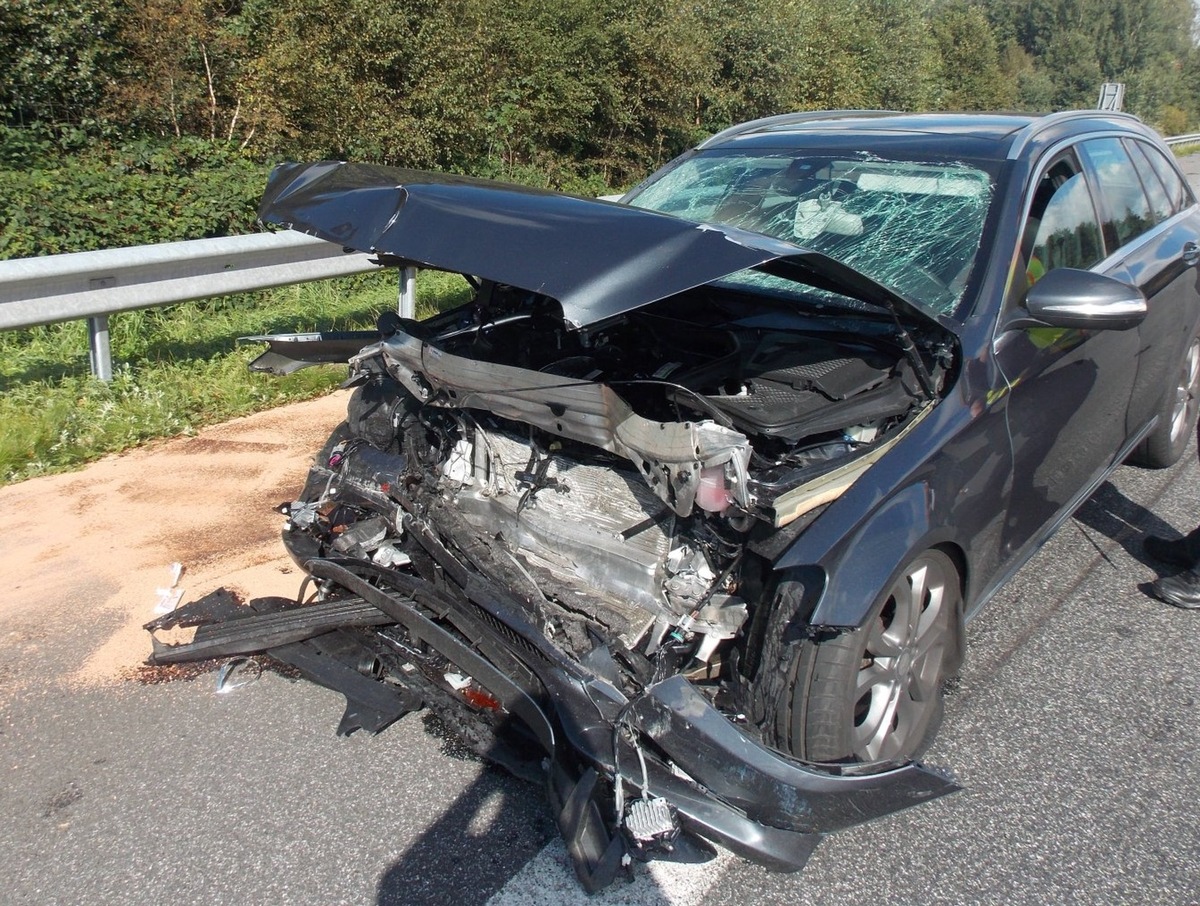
<point>876,692</point>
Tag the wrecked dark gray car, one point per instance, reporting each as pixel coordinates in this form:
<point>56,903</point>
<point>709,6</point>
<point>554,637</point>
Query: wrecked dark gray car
<point>683,514</point>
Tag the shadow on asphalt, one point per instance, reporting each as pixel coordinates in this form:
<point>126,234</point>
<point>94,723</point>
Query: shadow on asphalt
<point>468,854</point>
<point>495,826</point>
<point>1120,519</point>
<point>1115,516</point>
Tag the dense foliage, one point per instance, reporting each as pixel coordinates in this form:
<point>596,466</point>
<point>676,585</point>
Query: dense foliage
<point>131,193</point>
<point>133,121</point>
<point>575,94</point>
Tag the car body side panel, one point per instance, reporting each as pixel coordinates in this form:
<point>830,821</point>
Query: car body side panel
<point>976,447</point>
<point>929,491</point>
<point>1067,408</point>
<point>860,568</point>
<point>1172,289</point>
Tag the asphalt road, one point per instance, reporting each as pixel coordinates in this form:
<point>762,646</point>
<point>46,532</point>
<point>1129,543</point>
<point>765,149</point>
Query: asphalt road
<point>1075,730</point>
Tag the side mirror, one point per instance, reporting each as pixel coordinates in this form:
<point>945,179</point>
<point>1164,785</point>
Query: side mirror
<point>1081,300</point>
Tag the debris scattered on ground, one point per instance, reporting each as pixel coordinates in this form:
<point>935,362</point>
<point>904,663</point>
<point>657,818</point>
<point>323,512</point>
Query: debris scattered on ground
<point>169,597</point>
<point>151,675</point>
<point>237,672</point>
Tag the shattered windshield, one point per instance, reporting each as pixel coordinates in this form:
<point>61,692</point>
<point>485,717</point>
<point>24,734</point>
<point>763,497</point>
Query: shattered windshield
<point>913,226</point>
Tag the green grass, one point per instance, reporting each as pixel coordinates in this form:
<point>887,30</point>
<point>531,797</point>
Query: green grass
<point>176,369</point>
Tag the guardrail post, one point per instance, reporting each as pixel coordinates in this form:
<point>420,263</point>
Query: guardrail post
<point>99,351</point>
<point>408,292</point>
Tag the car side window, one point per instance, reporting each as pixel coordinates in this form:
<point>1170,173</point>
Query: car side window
<point>1062,229</point>
<point>1177,188</point>
<point>1160,202</point>
<point>1127,209</point>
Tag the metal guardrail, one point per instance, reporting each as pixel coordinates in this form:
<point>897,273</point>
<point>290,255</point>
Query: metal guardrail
<point>93,285</point>
<point>1193,139</point>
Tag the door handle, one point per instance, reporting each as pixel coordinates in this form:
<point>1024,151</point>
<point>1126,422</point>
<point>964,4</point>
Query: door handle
<point>1191,253</point>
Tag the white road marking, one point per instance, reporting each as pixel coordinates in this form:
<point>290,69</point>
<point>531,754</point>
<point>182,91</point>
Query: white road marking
<point>549,880</point>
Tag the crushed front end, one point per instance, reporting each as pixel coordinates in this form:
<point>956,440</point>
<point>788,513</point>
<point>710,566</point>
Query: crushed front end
<point>569,584</point>
<point>551,514</point>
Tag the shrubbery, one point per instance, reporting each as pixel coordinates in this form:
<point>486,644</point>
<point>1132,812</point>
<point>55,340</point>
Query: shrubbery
<point>109,196</point>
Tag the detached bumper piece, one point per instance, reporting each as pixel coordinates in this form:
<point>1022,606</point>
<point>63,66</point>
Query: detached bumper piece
<point>651,776</point>
<point>315,639</point>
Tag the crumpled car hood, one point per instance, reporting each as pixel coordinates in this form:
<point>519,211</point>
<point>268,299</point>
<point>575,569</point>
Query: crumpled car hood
<point>597,259</point>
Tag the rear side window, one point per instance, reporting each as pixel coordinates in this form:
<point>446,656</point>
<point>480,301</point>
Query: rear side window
<point>1177,188</point>
<point>1127,209</point>
<point>1160,202</point>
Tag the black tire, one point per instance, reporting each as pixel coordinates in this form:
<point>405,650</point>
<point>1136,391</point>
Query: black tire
<point>871,694</point>
<point>1176,416</point>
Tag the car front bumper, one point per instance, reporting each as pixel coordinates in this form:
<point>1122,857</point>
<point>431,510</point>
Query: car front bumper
<point>603,751</point>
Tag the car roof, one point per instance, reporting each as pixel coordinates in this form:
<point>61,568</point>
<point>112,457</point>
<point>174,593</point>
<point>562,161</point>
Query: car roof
<point>959,135</point>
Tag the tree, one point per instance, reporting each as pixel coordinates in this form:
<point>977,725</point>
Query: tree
<point>971,73</point>
<point>1077,44</point>
<point>866,54</point>
<point>331,77</point>
<point>56,57</point>
<point>180,68</point>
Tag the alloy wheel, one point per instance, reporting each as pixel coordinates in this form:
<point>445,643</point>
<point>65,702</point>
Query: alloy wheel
<point>897,692</point>
<point>1186,393</point>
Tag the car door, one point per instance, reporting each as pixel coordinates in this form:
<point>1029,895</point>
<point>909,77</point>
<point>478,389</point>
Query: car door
<point>1156,251</point>
<point>1066,392</point>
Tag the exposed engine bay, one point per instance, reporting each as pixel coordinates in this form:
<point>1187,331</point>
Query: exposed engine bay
<point>629,475</point>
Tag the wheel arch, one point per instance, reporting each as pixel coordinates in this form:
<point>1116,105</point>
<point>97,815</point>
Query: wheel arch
<point>959,558</point>
<point>858,569</point>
